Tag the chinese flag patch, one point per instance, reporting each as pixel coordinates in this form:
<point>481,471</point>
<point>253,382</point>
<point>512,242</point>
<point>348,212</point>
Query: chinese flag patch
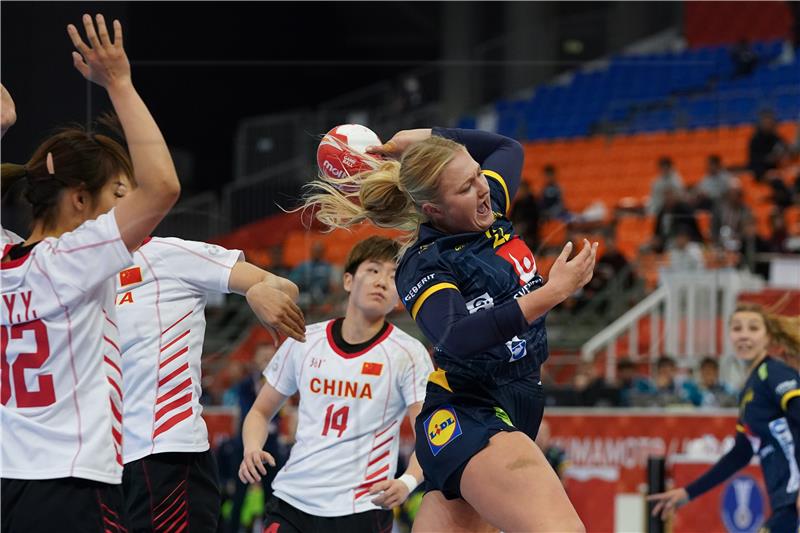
<point>130,276</point>
<point>372,369</point>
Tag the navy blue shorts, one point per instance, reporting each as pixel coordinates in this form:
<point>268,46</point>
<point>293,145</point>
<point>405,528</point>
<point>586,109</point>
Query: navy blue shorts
<point>456,424</point>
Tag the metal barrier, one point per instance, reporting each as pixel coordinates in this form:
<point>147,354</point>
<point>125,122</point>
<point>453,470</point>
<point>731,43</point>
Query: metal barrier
<point>687,314</point>
<point>196,218</point>
<point>265,193</point>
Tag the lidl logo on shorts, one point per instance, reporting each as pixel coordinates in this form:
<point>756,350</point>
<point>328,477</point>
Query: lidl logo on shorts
<point>442,428</point>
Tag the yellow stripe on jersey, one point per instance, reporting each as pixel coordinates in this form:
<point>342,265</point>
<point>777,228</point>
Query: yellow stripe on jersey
<point>740,428</point>
<point>426,294</point>
<point>788,396</point>
<point>498,178</point>
<point>440,378</point>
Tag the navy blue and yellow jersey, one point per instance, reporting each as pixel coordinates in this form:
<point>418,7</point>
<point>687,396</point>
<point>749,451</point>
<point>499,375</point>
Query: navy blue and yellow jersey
<point>482,273</point>
<point>773,434</point>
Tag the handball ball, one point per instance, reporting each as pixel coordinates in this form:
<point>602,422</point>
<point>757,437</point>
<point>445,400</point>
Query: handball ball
<point>342,151</point>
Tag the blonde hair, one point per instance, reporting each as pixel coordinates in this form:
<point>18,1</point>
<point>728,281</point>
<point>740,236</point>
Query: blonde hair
<point>390,195</point>
<point>783,331</point>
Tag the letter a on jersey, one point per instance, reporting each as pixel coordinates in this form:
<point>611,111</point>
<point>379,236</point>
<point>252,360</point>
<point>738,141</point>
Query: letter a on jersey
<point>127,298</point>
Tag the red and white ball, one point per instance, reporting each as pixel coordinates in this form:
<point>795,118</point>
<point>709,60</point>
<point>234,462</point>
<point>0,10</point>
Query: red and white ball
<point>342,151</point>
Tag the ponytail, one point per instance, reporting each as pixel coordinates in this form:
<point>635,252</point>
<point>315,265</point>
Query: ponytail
<point>390,195</point>
<point>10,174</point>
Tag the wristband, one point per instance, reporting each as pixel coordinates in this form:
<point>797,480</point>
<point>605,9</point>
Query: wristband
<point>409,481</point>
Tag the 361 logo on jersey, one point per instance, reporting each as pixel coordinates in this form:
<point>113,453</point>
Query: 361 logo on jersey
<point>521,258</point>
<point>441,428</point>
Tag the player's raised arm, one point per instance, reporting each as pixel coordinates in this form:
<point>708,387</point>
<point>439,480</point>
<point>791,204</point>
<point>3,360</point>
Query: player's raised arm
<point>104,62</point>
<point>8,111</point>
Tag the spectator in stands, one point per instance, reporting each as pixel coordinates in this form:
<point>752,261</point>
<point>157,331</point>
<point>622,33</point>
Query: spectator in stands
<point>236,371</point>
<point>766,147</point>
<point>672,388</point>
<point>525,215</point>
<point>752,244</point>
<point>778,232</point>
<point>729,218</point>
<point>684,254</point>
<point>552,202</point>
<point>668,179</point>
<point>556,456</point>
<point>675,213</point>
<point>314,277</point>
<point>276,265</point>
<point>611,264</point>
<point>714,393</point>
<point>714,184</point>
<point>630,385</point>
<point>796,188</point>
<point>248,389</point>
<point>210,394</point>
<point>744,59</point>
<point>590,389</point>
<point>249,386</point>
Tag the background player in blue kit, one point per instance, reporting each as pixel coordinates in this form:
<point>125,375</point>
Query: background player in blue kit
<point>769,418</point>
<point>451,188</point>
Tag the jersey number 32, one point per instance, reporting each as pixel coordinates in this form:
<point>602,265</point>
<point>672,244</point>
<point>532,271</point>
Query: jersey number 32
<point>46,395</point>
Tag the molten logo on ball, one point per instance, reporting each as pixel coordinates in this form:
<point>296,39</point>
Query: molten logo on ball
<point>342,151</point>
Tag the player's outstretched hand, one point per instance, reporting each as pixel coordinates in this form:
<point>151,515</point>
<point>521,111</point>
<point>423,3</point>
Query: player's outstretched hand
<point>391,493</point>
<point>569,275</point>
<point>797,503</point>
<point>277,311</point>
<point>394,147</point>
<point>8,111</point>
<point>252,467</point>
<point>668,502</point>
<point>102,61</point>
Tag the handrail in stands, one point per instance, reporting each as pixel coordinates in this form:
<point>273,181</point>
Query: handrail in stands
<point>693,307</point>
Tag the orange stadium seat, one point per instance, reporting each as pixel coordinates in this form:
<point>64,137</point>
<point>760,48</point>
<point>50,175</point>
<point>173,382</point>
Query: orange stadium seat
<point>792,215</point>
<point>624,166</point>
<point>297,247</point>
<point>632,233</point>
<point>553,233</point>
<point>545,263</point>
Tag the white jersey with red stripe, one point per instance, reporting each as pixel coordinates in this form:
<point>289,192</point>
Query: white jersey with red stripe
<point>161,304</point>
<point>61,382</point>
<point>9,237</point>
<point>349,417</point>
